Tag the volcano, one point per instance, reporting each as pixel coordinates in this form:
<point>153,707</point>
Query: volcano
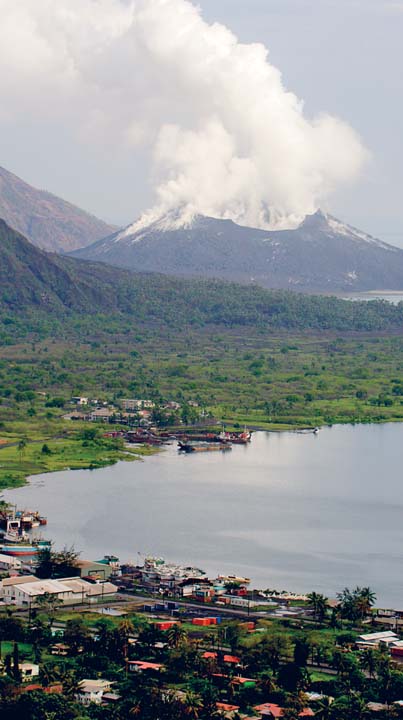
<point>321,255</point>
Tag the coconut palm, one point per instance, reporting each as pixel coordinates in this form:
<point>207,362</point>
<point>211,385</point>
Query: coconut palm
<point>192,705</point>
<point>369,661</point>
<point>177,635</point>
<point>324,711</point>
<point>319,605</point>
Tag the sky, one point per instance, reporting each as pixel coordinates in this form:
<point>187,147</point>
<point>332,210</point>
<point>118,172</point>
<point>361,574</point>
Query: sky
<point>105,151</point>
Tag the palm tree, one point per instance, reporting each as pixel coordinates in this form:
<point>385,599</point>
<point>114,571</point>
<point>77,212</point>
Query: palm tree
<point>49,604</point>
<point>369,661</point>
<point>192,705</point>
<point>71,684</point>
<point>324,711</point>
<point>177,635</point>
<point>125,629</point>
<point>319,604</point>
<point>22,444</point>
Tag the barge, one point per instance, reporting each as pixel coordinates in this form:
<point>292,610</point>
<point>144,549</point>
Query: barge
<point>191,448</point>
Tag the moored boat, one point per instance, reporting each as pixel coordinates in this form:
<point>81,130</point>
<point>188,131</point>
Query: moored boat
<point>20,550</point>
<point>191,448</point>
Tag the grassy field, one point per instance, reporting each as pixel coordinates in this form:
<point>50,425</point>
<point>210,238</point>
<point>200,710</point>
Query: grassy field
<point>41,454</point>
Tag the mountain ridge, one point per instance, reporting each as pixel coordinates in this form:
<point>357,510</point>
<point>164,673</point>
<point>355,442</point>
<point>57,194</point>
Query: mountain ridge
<point>48,221</point>
<point>35,283</point>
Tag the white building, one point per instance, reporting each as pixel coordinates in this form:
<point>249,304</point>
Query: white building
<point>92,691</point>
<point>8,562</point>
<point>28,670</point>
<point>375,639</point>
<point>24,591</point>
<point>133,404</point>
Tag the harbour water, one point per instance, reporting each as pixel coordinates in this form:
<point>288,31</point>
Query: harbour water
<point>294,511</point>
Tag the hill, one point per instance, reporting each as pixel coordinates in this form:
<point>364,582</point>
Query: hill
<point>321,255</point>
<point>32,280</point>
<point>48,221</point>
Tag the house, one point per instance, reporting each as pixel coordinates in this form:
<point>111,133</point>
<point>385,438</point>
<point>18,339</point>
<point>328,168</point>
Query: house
<point>226,709</point>
<point>77,400</point>
<point>7,562</point>
<point>28,670</point>
<point>54,689</point>
<point>141,666</point>
<point>101,415</point>
<point>133,404</point>
<point>230,659</point>
<point>270,711</point>
<point>92,691</point>
<point>60,649</point>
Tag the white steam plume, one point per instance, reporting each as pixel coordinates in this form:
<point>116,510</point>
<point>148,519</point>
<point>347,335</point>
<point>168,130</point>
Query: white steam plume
<point>227,139</point>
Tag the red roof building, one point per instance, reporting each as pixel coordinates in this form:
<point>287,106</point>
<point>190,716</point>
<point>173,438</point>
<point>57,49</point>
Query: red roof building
<point>270,710</point>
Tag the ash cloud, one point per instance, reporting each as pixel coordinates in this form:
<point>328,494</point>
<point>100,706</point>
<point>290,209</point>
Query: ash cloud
<point>225,136</point>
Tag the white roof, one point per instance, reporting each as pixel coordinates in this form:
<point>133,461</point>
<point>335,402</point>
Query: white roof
<point>88,686</point>
<point>8,558</point>
<point>101,589</point>
<point>40,587</point>
<point>18,580</point>
<point>379,636</point>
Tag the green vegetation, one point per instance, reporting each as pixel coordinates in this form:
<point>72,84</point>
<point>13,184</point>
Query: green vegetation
<point>67,453</point>
<point>237,375</point>
<point>281,661</point>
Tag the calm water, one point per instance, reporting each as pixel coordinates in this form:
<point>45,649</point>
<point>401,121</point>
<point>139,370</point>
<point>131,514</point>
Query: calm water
<point>291,511</point>
<point>392,297</point>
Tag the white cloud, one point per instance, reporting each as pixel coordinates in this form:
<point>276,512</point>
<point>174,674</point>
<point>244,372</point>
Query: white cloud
<point>228,139</point>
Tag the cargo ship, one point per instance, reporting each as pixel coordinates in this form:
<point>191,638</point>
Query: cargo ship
<point>236,438</point>
<point>191,448</point>
<point>143,437</point>
<point>24,548</point>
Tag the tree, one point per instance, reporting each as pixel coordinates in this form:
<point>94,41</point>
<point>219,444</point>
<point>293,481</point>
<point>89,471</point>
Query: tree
<point>57,564</point>
<point>356,604</point>
<point>71,684</point>
<point>22,444</point>
<point>319,605</point>
<point>49,605</point>
<point>324,711</point>
<point>76,634</point>
<point>369,661</point>
<point>177,635</point>
<point>302,649</point>
<point>192,705</point>
<point>16,672</point>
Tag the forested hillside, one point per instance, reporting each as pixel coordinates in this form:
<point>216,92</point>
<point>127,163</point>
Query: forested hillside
<point>33,281</point>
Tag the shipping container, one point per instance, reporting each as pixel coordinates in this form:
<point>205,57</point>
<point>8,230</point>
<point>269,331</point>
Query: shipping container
<point>166,625</point>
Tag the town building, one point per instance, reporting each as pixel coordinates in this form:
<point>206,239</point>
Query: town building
<point>8,562</point>
<point>24,591</point>
<point>28,670</point>
<point>93,691</point>
<point>94,570</point>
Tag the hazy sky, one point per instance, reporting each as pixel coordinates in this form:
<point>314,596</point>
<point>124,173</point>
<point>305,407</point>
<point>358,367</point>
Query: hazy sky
<point>341,57</point>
